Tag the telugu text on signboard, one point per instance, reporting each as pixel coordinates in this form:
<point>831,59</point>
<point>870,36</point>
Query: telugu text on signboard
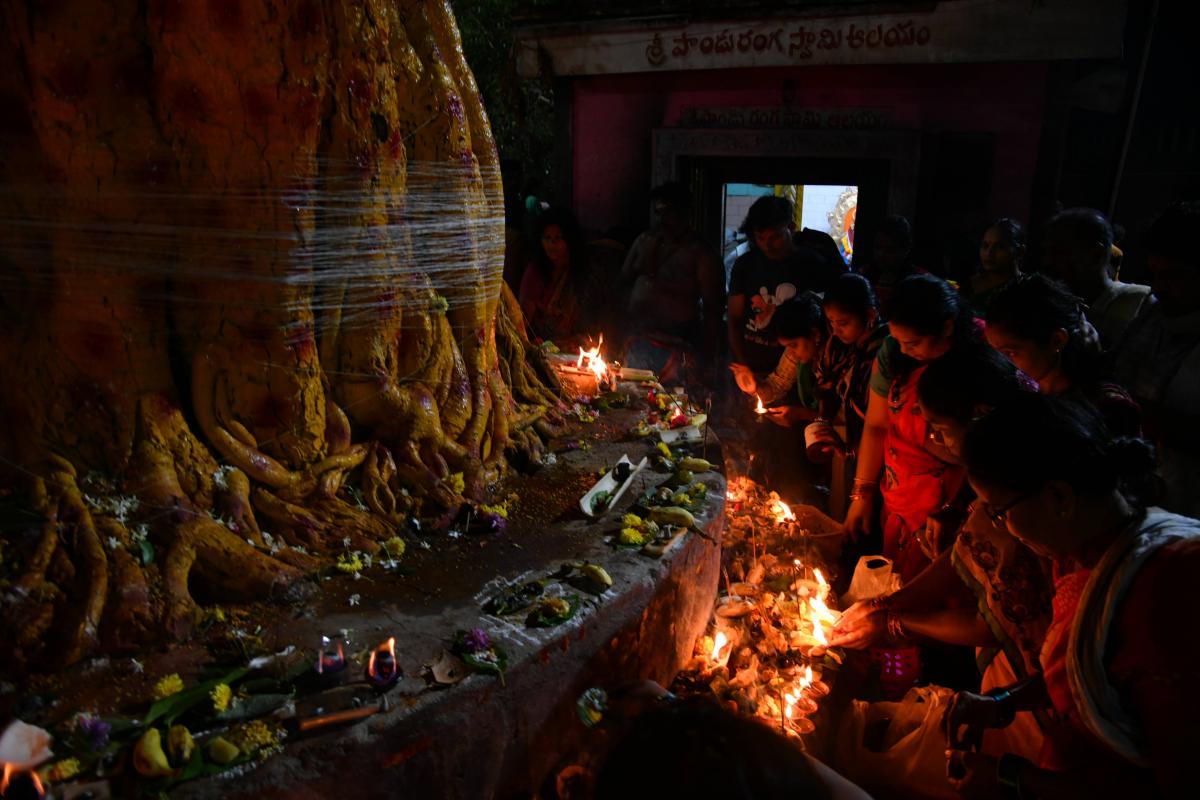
<point>799,43</point>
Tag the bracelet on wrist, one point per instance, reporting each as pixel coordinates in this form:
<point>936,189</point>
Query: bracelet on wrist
<point>883,601</point>
<point>895,627</point>
<point>1006,704</point>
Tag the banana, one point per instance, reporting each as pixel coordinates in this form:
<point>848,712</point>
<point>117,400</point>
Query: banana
<point>180,745</point>
<point>693,464</point>
<point>148,756</point>
<point>222,751</point>
<point>597,575</point>
<point>673,515</point>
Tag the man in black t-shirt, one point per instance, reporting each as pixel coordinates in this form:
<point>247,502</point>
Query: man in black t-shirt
<point>774,271</point>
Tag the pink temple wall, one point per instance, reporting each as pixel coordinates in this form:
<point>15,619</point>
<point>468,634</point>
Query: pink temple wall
<point>614,115</point>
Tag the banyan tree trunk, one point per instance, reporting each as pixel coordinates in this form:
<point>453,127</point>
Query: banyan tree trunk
<point>252,302</point>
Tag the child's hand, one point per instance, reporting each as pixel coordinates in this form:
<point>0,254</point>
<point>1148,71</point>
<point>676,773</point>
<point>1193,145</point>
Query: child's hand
<point>744,377</point>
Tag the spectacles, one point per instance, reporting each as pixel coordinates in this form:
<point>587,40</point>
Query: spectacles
<point>999,516</point>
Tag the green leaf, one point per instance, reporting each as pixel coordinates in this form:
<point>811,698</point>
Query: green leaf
<point>201,767</point>
<point>169,708</point>
<point>514,598</point>
<point>496,667</point>
<point>146,552</point>
<point>542,618</point>
<point>256,705</point>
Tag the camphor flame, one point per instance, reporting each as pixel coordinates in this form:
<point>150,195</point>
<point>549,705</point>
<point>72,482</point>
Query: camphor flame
<point>719,642</point>
<point>381,665</point>
<point>591,359</point>
<point>10,772</point>
<point>759,409</point>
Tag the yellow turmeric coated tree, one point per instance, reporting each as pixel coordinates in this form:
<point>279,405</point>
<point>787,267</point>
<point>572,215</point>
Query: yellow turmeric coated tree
<point>251,255</point>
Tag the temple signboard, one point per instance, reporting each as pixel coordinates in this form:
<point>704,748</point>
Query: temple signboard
<point>949,31</point>
<point>786,117</point>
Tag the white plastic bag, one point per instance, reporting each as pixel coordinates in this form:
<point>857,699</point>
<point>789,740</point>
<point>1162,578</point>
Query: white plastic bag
<point>873,576</point>
<point>908,759</point>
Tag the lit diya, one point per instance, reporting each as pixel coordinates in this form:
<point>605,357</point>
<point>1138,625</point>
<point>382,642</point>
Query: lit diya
<point>811,686</point>
<point>382,668</point>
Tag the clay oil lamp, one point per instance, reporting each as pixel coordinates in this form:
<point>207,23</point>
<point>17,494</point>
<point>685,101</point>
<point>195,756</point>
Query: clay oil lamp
<point>330,662</point>
<point>760,410</point>
<point>814,687</point>
<point>382,668</point>
<point>794,712</point>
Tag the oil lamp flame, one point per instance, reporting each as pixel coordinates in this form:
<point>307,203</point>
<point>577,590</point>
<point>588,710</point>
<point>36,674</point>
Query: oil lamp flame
<point>821,611</point>
<point>759,409</point>
<point>818,631</point>
<point>24,783</point>
<point>382,668</point>
<point>719,642</point>
<point>780,510</point>
<point>738,490</point>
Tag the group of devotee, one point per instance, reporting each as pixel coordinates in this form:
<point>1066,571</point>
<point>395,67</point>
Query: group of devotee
<point>1025,448</point>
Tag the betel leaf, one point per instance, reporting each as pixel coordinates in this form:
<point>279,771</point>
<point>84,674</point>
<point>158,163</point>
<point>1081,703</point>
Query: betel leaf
<point>513,598</point>
<point>544,615</point>
<point>490,666</point>
<point>170,708</point>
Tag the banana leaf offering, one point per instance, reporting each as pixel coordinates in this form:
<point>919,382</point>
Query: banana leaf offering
<point>552,611</point>
<point>514,598</point>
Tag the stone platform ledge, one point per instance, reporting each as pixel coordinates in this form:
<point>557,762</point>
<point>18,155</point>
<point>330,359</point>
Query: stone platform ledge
<point>479,739</point>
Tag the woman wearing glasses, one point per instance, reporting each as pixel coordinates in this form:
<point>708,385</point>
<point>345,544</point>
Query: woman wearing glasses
<point>1120,665</point>
<point>985,590</point>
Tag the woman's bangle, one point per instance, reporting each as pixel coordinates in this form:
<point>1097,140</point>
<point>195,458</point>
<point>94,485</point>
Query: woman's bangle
<point>883,601</point>
<point>895,627</point>
<point>1007,706</point>
<point>1008,776</point>
<point>865,482</point>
